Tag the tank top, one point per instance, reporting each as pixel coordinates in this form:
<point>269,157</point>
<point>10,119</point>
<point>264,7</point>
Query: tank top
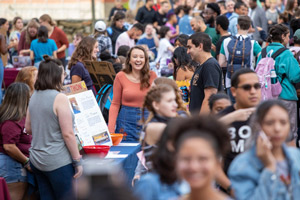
<point>48,150</point>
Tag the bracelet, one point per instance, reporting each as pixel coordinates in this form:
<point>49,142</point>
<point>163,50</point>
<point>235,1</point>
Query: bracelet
<point>77,162</point>
<point>26,163</point>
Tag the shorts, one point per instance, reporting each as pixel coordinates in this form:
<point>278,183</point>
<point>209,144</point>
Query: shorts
<point>11,170</point>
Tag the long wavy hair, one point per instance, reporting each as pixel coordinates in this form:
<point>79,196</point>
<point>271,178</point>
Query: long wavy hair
<point>15,104</point>
<point>83,51</point>
<point>145,71</point>
<point>47,18</point>
<point>31,24</point>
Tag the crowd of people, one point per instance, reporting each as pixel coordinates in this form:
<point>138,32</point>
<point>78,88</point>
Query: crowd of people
<point>209,88</point>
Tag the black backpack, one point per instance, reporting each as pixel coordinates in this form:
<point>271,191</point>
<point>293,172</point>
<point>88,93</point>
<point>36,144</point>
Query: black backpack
<point>104,99</point>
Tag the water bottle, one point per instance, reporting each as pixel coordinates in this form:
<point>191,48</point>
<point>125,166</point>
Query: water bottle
<point>273,76</point>
<point>185,94</point>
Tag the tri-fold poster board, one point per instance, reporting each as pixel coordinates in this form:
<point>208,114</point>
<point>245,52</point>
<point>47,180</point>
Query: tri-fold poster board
<point>90,126</point>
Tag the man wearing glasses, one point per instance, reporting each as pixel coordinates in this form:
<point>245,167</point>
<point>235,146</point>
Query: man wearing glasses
<point>246,90</point>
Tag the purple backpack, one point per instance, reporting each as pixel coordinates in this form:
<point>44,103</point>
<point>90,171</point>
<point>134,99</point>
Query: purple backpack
<point>263,70</point>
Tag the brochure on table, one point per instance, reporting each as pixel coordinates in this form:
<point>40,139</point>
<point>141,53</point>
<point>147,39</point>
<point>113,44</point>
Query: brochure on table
<point>90,126</point>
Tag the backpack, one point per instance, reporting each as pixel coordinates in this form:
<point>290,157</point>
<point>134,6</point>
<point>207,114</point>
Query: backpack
<point>104,99</point>
<point>263,70</point>
<point>239,54</point>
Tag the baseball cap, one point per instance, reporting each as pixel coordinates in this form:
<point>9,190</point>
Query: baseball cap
<point>100,26</point>
<point>297,34</point>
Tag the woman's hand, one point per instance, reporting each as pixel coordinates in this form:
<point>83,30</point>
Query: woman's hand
<point>264,153</point>
<point>78,171</point>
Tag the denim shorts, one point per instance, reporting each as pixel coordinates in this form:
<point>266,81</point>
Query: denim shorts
<point>128,121</point>
<point>11,170</point>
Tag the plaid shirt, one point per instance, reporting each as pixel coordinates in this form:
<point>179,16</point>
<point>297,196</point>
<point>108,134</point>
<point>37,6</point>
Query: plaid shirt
<point>105,44</point>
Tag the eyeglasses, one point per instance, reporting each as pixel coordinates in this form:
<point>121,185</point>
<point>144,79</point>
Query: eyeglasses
<point>248,87</point>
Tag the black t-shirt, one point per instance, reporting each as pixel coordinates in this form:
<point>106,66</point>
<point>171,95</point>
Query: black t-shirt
<point>161,19</point>
<point>240,132</point>
<point>208,74</point>
<point>219,44</point>
<point>145,16</point>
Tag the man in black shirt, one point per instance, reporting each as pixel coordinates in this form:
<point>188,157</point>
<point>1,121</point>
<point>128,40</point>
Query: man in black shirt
<point>146,14</point>
<point>245,87</point>
<point>161,14</point>
<point>207,79</point>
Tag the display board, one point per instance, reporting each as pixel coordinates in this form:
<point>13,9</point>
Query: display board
<point>90,126</point>
<point>101,73</point>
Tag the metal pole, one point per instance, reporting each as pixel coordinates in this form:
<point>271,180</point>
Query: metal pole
<point>93,14</point>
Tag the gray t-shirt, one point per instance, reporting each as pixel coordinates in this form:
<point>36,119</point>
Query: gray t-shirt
<point>48,149</point>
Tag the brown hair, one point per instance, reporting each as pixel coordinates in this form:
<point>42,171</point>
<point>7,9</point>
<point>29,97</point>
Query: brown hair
<point>154,95</point>
<point>244,22</point>
<point>145,71</point>
<point>47,18</point>
<point>15,103</point>
<point>15,20</point>
<point>49,74</point>
<point>83,51</point>
<point>26,75</point>
<point>168,81</point>
<point>31,24</point>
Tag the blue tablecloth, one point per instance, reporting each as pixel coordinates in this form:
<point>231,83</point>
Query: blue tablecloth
<point>130,162</point>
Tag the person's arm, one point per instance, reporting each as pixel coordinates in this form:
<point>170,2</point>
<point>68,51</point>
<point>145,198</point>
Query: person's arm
<point>13,151</point>
<point>115,104</point>
<point>21,43</point>
<point>76,72</point>
<point>54,54</point>
<point>171,48</point>
<point>139,15</point>
<point>237,115</point>
<point>110,49</point>
<point>207,93</point>
<point>31,55</point>
<point>156,40</point>
<point>3,48</point>
<point>62,110</point>
<point>28,123</point>
<point>62,48</point>
<point>222,60</point>
<point>223,180</point>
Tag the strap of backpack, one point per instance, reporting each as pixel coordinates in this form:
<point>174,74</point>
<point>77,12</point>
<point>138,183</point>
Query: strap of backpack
<point>243,56</point>
<point>278,52</point>
<point>264,52</point>
<point>233,52</point>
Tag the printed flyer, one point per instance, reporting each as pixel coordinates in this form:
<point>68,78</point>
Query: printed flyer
<point>90,126</point>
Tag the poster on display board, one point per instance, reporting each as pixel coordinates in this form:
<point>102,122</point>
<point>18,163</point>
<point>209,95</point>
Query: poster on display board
<point>90,126</point>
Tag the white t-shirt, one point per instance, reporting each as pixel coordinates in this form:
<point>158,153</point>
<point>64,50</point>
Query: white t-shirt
<point>163,53</point>
<point>124,39</point>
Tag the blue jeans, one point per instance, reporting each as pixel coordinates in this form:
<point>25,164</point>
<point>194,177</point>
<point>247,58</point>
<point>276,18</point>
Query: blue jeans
<point>56,184</point>
<point>1,78</point>
<point>128,121</point>
<point>11,170</point>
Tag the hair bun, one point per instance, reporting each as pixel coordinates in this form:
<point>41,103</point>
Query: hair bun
<point>47,58</point>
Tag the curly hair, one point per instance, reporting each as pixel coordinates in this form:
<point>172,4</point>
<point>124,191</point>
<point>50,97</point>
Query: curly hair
<point>145,71</point>
<point>155,94</point>
<point>83,51</point>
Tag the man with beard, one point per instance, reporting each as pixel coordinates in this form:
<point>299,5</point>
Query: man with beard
<point>210,14</point>
<point>198,25</point>
<point>207,79</point>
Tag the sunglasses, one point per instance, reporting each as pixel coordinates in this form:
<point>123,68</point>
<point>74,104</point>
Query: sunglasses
<point>248,87</point>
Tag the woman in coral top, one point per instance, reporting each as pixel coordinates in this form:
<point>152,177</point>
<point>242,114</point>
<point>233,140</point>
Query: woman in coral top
<point>130,88</point>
